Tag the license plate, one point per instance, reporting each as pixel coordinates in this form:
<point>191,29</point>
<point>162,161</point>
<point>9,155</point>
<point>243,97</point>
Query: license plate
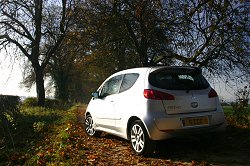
<point>196,121</point>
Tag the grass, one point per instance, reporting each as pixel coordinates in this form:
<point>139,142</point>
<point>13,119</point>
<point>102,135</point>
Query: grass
<point>34,125</point>
<point>228,110</point>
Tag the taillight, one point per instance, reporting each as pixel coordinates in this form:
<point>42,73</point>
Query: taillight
<point>212,93</point>
<point>157,95</point>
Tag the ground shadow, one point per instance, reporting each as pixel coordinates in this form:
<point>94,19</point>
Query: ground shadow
<point>231,147</point>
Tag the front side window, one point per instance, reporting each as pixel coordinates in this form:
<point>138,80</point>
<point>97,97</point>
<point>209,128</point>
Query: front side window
<point>112,86</point>
<point>178,80</point>
<point>128,81</point>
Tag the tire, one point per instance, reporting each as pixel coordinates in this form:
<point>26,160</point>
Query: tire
<point>139,139</point>
<point>89,127</point>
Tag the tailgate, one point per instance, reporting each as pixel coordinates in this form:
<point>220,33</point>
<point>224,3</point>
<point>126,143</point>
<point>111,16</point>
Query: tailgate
<point>189,102</point>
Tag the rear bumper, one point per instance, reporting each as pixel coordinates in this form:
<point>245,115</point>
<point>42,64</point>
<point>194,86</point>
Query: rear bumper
<point>163,128</point>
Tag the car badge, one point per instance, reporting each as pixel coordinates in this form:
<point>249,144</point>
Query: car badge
<point>193,97</point>
<point>194,104</point>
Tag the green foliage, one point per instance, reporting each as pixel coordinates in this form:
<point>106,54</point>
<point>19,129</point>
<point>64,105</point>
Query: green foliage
<point>228,110</point>
<point>32,126</point>
<point>63,135</point>
<point>30,102</point>
<point>241,111</point>
<point>9,112</point>
<point>52,150</point>
<point>49,103</point>
<point>54,103</point>
<point>9,103</point>
<point>39,126</point>
<point>241,115</point>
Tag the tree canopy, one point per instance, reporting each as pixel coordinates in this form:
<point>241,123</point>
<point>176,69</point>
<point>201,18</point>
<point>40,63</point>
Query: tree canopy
<point>209,34</point>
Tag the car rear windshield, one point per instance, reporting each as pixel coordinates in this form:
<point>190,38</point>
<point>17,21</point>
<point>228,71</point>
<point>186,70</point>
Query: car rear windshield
<point>178,79</point>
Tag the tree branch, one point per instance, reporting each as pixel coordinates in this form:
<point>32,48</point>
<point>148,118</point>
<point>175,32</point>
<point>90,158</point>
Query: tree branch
<point>17,44</point>
<point>14,29</point>
<point>20,24</point>
<point>51,51</point>
<point>25,5</point>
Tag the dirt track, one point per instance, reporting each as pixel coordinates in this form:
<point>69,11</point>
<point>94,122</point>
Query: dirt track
<point>228,148</point>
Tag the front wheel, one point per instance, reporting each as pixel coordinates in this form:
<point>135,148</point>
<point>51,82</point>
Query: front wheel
<point>140,141</point>
<point>89,126</point>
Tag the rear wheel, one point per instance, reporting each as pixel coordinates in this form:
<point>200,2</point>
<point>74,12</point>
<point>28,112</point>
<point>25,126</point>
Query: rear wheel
<point>89,127</point>
<point>140,141</point>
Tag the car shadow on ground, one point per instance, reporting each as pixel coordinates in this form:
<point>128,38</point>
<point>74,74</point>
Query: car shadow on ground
<point>231,147</point>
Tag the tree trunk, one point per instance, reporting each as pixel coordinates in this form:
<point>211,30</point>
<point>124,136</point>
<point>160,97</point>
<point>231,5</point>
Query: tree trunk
<point>40,87</point>
<point>143,57</point>
<point>61,84</point>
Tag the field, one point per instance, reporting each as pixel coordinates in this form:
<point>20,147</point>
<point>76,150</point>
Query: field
<point>228,110</point>
<point>44,136</point>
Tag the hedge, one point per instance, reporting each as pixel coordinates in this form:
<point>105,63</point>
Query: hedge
<point>9,103</point>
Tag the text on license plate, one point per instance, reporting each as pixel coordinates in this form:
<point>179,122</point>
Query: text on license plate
<point>203,120</point>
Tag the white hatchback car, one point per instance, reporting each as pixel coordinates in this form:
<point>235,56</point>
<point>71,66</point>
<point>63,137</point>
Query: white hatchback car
<point>154,103</point>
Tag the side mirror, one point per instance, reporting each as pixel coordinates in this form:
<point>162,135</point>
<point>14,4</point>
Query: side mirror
<point>95,95</point>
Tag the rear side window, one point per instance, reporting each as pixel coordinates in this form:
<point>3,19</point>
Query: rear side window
<point>128,81</point>
<point>189,79</point>
<point>111,86</point>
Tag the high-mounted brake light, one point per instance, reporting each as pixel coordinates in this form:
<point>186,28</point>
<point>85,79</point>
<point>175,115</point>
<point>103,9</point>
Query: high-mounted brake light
<point>157,95</point>
<point>212,93</point>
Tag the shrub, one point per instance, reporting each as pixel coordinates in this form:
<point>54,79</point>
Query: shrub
<point>9,110</point>
<point>49,103</point>
<point>39,126</point>
<point>52,103</point>
<point>9,103</point>
<point>30,102</point>
<point>241,111</point>
<point>240,115</point>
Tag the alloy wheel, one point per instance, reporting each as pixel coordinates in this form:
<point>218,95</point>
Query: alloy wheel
<point>137,138</point>
<point>89,126</point>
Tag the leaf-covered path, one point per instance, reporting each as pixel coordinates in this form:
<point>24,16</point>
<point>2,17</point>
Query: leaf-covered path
<point>110,150</point>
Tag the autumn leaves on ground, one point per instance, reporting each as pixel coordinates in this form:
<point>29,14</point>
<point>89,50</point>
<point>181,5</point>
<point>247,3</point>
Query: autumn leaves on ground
<point>56,137</point>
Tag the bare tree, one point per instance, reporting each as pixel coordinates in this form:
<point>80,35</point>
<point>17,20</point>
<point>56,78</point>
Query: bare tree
<point>211,34</point>
<point>36,29</point>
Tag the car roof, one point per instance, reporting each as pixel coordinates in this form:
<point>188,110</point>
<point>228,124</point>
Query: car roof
<point>139,70</point>
<point>154,68</point>
<point>144,70</point>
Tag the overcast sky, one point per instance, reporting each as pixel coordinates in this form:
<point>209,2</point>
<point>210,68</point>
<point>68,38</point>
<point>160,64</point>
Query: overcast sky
<point>11,76</point>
